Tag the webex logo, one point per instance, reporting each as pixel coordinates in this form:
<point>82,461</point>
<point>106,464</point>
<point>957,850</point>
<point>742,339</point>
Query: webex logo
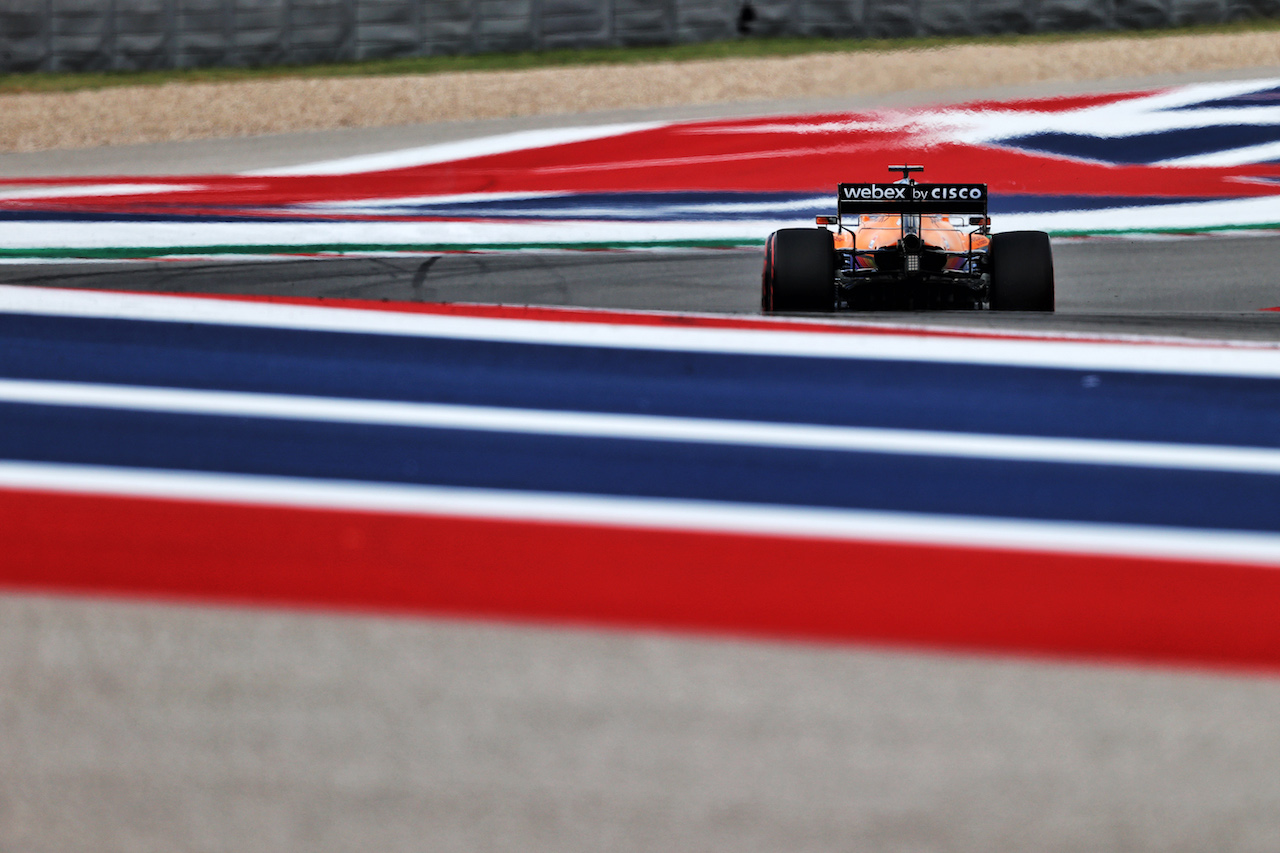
<point>877,192</point>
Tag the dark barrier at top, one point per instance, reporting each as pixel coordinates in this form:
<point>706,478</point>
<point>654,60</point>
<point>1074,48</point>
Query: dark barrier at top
<point>96,35</point>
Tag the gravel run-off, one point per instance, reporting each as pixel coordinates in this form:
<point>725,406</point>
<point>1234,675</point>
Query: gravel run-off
<point>171,112</point>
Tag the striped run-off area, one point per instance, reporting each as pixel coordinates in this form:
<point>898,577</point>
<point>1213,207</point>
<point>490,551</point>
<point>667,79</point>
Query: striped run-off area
<point>1075,497</point>
<point>1172,160</point>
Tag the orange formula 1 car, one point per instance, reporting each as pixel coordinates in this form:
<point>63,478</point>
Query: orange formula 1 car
<point>907,245</point>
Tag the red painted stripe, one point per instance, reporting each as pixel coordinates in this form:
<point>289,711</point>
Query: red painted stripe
<point>580,315</point>
<point>674,319</point>
<point>1136,610</point>
<point>779,153</point>
<point>1062,103</point>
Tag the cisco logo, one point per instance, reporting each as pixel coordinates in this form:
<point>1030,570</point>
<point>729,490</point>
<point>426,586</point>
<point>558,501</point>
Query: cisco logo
<point>947,193</point>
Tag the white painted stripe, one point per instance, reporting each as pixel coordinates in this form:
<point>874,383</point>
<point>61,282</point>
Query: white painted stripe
<point>69,190</point>
<point>368,204</point>
<point>461,150</point>
<point>1248,155</point>
<point>147,238</point>
<point>1252,460</point>
<point>1264,210</point>
<point>648,513</point>
<point>139,236</point>
<point>651,209</point>
<point>1170,109</point>
<point>1214,359</point>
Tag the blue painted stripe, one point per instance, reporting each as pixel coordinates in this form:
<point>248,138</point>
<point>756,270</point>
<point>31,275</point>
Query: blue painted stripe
<point>1146,148</point>
<point>852,392</point>
<point>1262,98</point>
<point>656,469</point>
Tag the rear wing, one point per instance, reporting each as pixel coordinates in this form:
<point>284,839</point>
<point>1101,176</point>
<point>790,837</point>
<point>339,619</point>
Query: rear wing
<point>856,199</point>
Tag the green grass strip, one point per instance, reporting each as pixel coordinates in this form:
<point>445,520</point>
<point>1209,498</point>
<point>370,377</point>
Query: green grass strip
<point>740,48</point>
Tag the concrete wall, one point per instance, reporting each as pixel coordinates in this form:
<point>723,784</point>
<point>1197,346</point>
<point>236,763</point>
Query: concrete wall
<point>94,35</point>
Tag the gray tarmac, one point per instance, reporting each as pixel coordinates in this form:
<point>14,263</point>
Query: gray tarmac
<point>151,726</point>
<point>1208,287</point>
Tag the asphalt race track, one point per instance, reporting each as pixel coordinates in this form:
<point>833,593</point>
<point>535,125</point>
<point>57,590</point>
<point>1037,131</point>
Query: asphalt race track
<point>157,726</point>
<point>1203,287</point>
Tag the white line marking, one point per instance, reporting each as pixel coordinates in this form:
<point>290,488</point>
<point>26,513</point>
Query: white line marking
<point>1263,210</point>
<point>69,190</point>
<point>154,236</point>
<point>1247,155</point>
<point>405,201</point>
<point>647,513</point>
<point>464,149</point>
<point>1251,460</point>
<point>1214,359</point>
<point>573,227</point>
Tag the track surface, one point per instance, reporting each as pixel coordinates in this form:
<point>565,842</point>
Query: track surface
<point>1203,287</point>
<point>158,727</point>
<point>146,726</point>
<point>140,727</point>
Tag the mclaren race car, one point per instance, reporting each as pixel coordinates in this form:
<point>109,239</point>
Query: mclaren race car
<point>906,245</point>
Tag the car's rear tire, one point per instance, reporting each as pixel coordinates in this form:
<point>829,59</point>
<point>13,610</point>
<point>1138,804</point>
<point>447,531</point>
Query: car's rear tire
<point>799,271</point>
<point>1021,271</point>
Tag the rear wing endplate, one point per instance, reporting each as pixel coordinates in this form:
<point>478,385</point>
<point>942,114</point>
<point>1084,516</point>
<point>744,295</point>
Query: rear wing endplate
<point>912,198</point>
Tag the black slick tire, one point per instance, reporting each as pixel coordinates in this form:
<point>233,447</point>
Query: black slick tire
<point>799,271</point>
<point>1021,264</point>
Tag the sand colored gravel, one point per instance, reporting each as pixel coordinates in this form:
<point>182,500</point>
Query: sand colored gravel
<point>183,111</point>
